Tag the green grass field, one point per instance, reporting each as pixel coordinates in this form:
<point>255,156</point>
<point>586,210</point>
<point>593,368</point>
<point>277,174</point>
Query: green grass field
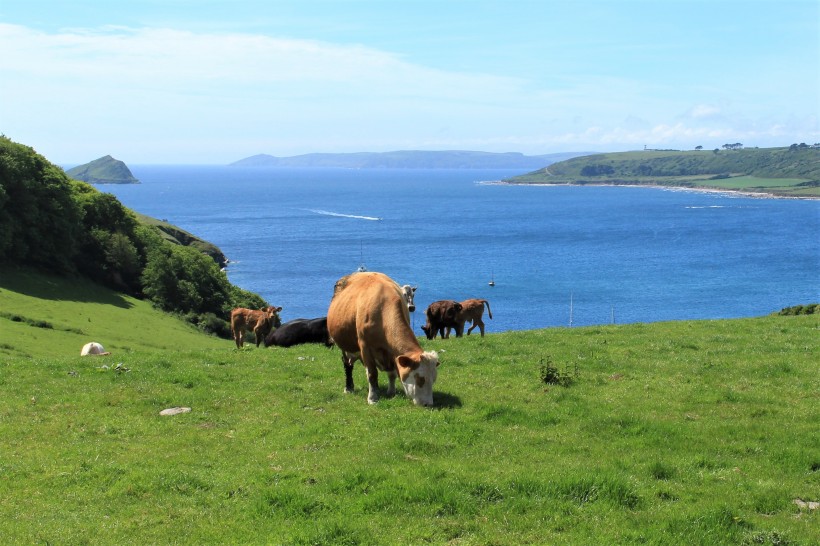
<point>702,432</point>
<point>783,187</point>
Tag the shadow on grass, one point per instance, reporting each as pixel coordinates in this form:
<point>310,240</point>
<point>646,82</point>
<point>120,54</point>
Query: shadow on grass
<point>443,400</point>
<point>51,287</point>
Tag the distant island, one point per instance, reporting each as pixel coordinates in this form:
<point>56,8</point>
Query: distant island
<point>105,170</point>
<point>792,171</point>
<point>410,159</point>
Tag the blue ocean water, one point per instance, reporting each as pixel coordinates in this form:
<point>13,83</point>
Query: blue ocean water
<point>559,255</point>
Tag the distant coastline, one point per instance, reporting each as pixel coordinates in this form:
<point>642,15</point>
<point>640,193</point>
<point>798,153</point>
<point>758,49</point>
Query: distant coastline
<point>410,159</point>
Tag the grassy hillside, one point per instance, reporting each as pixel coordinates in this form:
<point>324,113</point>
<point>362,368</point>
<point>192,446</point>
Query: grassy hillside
<point>179,236</point>
<point>700,432</point>
<point>777,171</point>
<point>46,316</point>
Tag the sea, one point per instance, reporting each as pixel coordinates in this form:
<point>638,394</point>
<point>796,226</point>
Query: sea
<point>543,256</point>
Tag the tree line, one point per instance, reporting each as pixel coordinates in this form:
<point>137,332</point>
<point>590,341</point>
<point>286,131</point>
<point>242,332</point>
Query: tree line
<point>66,227</point>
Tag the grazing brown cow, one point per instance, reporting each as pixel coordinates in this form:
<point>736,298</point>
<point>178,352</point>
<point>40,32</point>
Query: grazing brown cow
<point>368,320</point>
<point>441,316</point>
<point>259,322</point>
<point>472,310</point>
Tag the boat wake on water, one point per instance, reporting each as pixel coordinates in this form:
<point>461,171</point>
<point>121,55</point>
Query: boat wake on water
<point>341,215</point>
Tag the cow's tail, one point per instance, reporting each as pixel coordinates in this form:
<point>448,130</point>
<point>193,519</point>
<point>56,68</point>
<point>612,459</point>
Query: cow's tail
<point>489,313</point>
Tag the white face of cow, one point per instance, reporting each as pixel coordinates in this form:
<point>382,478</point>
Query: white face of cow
<point>418,384</point>
<point>408,293</point>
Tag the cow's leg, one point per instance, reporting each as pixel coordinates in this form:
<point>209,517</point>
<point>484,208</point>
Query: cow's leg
<point>391,383</point>
<point>347,361</point>
<point>373,384</point>
<point>476,323</point>
<point>237,338</point>
<point>257,332</point>
<point>480,326</point>
<point>370,361</point>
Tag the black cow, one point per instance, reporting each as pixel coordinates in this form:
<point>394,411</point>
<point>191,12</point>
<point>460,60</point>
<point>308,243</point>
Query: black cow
<point>442,315</point>
<point>298,331</point>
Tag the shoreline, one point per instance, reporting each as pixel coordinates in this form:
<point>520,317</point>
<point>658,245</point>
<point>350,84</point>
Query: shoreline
<point>726,191</point>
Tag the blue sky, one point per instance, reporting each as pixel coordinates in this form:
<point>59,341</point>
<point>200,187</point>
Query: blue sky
<point>202,82</point>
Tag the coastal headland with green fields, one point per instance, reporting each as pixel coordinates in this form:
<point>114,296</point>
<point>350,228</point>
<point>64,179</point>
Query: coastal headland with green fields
<point>792,171</point>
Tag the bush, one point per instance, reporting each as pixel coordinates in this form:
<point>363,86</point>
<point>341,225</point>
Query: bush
<point>551,375</point>
<point>597,170</point>
<point>809,309</point>
<point>211,324</point>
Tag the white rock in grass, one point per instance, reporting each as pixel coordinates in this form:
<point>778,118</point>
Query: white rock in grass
<point>174,411</point>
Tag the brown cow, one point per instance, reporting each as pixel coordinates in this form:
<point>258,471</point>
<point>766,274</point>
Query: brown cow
<point>472,310</point>
<point>260,322</point>
<point>368,320</point>
<point>441,316</point>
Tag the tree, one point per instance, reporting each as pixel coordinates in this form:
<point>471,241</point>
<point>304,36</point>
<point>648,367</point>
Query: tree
<point>39,220</point>
<point>111,250</point>
<point>182,279</point>
<point>698,148</point>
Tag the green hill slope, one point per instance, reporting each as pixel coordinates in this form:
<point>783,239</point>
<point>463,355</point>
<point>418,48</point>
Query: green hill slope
<point>792,172</point>
<point>179,236</point>
<point>49,316</point>
<point>57,225</point>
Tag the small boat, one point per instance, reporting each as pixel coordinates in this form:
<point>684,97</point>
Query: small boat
<point>492,280</point>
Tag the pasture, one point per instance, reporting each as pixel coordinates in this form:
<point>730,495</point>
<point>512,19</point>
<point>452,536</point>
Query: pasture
<point>701,432</point>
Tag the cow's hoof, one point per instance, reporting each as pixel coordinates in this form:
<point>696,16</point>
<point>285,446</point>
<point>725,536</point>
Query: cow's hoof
<point>348,391</point>
<point>372,401</point>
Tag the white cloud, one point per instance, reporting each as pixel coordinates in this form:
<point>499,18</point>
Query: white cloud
<point>704,111</point>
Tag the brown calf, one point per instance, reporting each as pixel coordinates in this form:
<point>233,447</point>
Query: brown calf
<point>259,322</point>
<point>441,317</point>
<point>472,310</point>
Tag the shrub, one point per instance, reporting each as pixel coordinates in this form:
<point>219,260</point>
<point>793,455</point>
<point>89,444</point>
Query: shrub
<point>211,324</point>
<point>551,375</point>
<point>809,309</point>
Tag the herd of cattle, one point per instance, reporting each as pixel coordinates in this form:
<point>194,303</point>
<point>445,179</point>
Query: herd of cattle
<point>369,320</point>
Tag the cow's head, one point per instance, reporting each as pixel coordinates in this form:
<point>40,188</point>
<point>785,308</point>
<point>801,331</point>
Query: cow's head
<point>272,315</point>
<point>418,376</point>
<point>428,331</point>
<point>452,310</point>
<point>408,293</point>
